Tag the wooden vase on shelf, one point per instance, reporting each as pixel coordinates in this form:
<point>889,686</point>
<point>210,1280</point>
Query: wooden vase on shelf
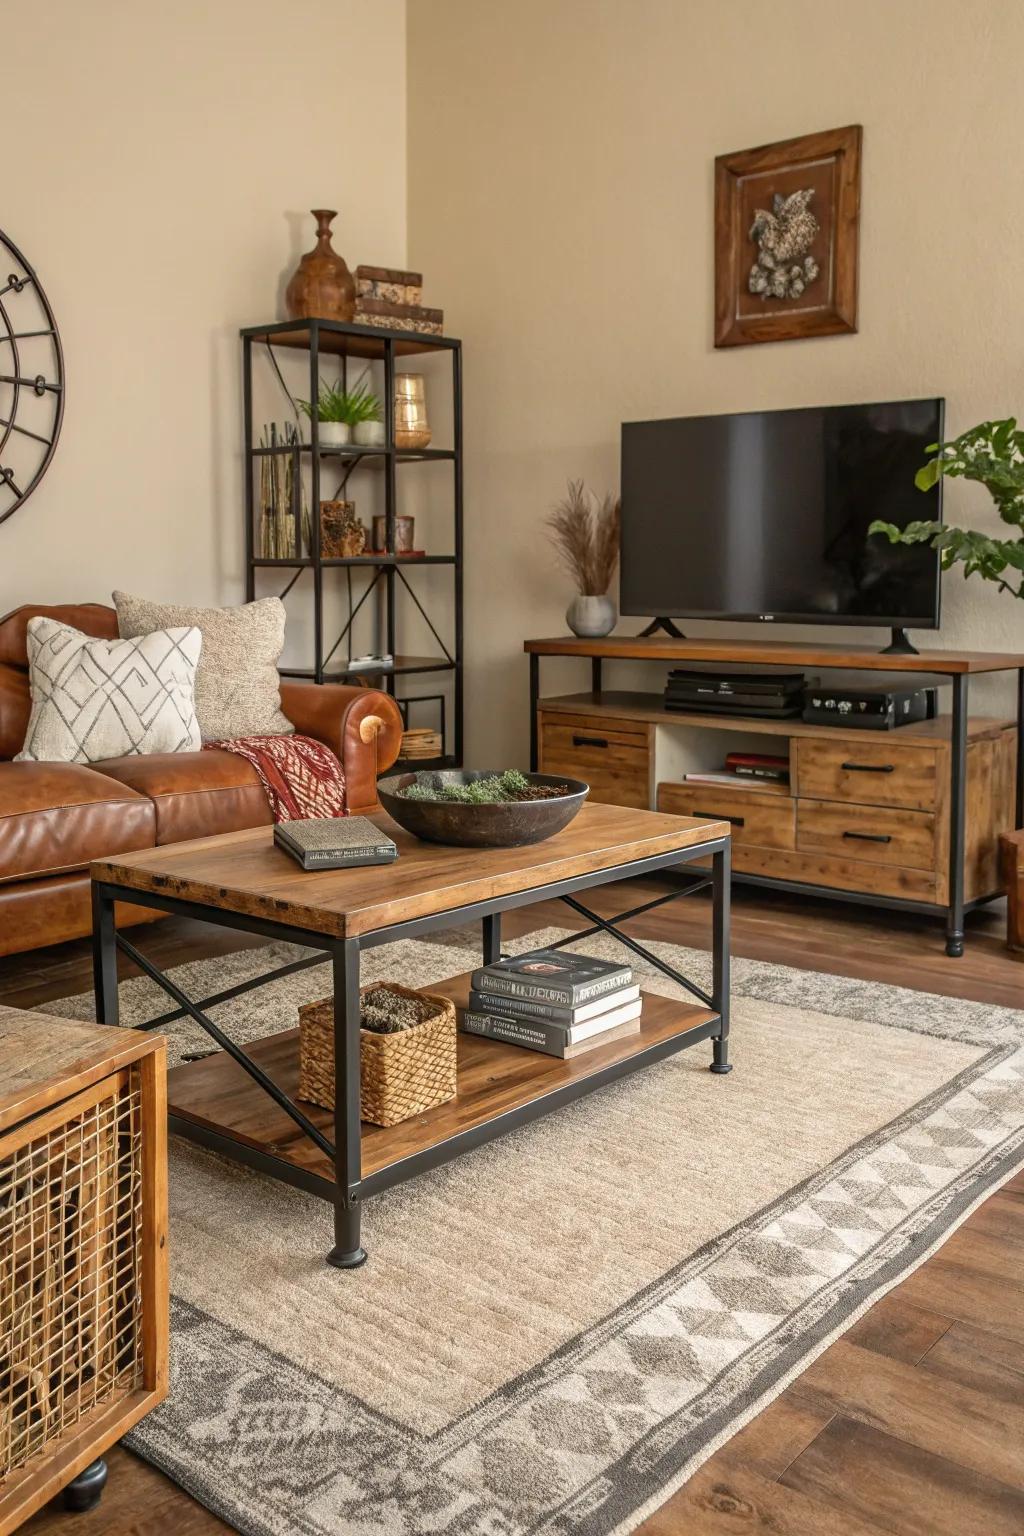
<point>322,287</point>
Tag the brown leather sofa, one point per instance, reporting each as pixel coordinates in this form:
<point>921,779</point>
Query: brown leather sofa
<point>56,817</point>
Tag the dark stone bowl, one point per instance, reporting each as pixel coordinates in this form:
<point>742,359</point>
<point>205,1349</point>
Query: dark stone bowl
<point>509,824</point>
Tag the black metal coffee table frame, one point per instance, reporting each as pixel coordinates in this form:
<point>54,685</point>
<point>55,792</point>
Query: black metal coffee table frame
<point>350,1188</point>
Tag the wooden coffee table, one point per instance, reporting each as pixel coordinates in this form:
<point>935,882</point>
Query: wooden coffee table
<point>242,1103</point>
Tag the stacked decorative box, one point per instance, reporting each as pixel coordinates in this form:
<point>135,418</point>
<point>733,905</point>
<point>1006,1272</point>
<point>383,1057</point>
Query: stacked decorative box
<point>389,297</point>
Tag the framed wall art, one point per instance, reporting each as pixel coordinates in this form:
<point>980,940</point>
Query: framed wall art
<point>786,235</point>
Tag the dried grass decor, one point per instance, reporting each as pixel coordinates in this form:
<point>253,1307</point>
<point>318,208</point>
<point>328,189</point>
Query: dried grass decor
<point>585,534</point>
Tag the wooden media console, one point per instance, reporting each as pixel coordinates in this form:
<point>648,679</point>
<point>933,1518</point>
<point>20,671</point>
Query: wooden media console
<point>909,817</point>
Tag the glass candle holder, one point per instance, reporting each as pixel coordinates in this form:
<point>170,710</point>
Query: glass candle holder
<point>412,429</point>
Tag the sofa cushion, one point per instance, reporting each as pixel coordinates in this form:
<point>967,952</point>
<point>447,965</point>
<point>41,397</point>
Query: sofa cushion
<point>56,817</point>
<point>238,691</point>
<point>95,699</point>
<point>195,793</point>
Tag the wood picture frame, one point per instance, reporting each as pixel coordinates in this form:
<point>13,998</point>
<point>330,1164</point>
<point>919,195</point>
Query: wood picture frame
<point>787,219</point>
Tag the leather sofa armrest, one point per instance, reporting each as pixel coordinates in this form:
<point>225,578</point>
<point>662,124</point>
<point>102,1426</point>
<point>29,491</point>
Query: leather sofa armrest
<point>362,727</point>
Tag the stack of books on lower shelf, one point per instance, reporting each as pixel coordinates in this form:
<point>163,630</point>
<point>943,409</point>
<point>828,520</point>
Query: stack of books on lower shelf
<point>548,1001</point>
<point>747,770</point>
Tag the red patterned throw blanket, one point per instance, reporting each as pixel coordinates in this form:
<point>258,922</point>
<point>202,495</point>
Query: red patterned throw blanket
<point>301,776</point>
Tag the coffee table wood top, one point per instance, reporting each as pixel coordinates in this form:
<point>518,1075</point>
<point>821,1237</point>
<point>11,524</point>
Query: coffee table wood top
<point>245,872</point>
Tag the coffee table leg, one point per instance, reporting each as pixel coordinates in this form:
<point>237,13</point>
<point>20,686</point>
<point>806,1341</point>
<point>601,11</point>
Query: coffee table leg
<point>721,873</point>
<point>347,1252</point>
<point>492,938</point>
<point>104,956</point>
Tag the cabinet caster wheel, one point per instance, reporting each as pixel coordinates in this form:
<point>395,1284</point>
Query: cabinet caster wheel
<point>955,947</point>
<point>84,1492</point>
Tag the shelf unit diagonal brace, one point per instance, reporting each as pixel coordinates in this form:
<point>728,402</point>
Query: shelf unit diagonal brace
<point>291,584</point>
<point>608,925</point>
<point>426,617</point>
<point>351,618</point>
<point>196,1014</point>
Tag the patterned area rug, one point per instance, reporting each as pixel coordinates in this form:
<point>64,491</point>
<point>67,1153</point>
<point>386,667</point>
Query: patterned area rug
<point>555,1331</point>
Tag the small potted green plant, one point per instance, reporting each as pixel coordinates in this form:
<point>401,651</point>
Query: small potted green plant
<point>340,411</point>
<point>991,453</point>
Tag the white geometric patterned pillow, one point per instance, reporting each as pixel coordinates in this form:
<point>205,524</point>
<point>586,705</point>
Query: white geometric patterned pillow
<point>94,699</point>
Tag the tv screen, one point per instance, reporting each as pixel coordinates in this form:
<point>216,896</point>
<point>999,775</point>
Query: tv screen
<point>765,515</point>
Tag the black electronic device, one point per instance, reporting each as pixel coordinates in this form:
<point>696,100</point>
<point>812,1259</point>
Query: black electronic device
<point>870,708</point>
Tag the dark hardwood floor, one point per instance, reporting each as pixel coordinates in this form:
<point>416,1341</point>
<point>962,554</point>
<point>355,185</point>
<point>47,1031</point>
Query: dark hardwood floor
<point>912,1424</point>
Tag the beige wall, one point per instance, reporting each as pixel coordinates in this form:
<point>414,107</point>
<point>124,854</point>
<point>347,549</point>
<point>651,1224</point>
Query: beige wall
<point>560,202</point>
<point>159,167</point>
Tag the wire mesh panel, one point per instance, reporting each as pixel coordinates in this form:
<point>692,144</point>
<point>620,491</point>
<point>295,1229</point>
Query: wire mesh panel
<point>70,1266</point>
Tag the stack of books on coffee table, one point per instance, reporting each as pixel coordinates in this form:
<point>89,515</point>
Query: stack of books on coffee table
<point>553,1002</point>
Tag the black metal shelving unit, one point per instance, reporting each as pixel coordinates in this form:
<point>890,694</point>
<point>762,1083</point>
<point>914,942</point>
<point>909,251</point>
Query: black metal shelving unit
<point>335,339</point>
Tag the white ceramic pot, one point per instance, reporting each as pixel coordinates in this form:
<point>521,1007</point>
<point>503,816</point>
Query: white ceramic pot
<point>368,434</point>
<point>591,617</point>
<point>334,434</point>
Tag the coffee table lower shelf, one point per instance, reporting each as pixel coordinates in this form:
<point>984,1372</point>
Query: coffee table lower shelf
<point>214,1102</point>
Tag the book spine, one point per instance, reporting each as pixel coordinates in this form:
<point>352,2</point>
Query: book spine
<point>326,860</point>
<point>512,986</point>
<point>533,1036</point>
<point>748,771</point>
<point>516,1007</point>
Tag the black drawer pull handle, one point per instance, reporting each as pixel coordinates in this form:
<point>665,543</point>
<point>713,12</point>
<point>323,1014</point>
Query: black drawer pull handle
<point>589,741</point>
<point>868,767</point>
<point>735,821</point>
<point>870,837</point>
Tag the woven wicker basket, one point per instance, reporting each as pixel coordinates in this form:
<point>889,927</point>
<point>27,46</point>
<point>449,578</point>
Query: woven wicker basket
<point>401,1074</point>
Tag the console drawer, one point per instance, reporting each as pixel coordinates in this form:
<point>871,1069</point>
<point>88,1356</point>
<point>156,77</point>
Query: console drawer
<point>761,820</point>
<point>616,762</point>
<point>879,835</point>
<point>868,773</point>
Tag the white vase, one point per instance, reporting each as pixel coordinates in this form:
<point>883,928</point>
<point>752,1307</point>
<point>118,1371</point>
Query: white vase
<point>334,434</point>
<point>591,617</point>
<point>368,434</point>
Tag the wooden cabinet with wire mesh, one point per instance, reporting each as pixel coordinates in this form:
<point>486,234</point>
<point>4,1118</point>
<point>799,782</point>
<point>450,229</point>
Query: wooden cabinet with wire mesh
<point>83,1252</point>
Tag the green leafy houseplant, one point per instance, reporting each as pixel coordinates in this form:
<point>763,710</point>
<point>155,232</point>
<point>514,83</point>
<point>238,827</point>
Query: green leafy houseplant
<point>993,454</point>
<point>350,406</point>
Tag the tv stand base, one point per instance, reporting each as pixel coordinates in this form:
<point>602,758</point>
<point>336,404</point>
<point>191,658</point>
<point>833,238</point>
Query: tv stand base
<point>899,644</point>
<point>657,625</point>
<point>566,735</point>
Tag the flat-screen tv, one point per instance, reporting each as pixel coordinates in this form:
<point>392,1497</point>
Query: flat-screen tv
<point>765,515</point>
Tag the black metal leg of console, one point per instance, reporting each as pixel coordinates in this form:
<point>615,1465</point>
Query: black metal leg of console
<point>534,695</point>
<point>347,1252</point>
<point>957,817</point>
<point>721,871</point>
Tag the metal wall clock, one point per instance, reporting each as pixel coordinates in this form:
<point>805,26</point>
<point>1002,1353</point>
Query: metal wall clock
<point>31,380</point>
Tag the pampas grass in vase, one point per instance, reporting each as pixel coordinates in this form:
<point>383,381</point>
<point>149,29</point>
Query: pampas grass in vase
<point>585,534</point>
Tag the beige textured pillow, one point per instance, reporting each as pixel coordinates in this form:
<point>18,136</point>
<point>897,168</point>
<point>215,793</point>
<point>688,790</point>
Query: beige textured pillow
<point>96,699</point>
<point>238,691</point>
